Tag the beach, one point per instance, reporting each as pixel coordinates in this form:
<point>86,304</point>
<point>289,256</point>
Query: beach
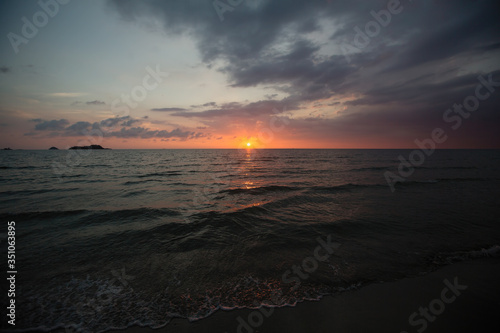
<point>381,307</point>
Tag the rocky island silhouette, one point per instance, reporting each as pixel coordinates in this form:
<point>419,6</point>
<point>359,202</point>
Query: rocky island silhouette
<point>89,147</point>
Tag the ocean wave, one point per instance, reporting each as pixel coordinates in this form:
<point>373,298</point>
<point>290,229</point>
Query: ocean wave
<point>371,169</point>
<point>260,190</point>
<point>161,174</point>
<point>224,164</point>
<point>40,191</point>
<point>437,180</point>
<point>85,181</point>
<point>296,171</point>
<point>447,167</point>
<point>130,214</point>
<point>141,182</point>
<point>75,176</point>
<point>92,166</point>
<point>5,167</point>
<point>94,216</point>
<point>343,187</point>
<point>382,168</point>
<point>99,304</point>
<point>134,193</point>
<point>447,258</point>
<point>470,179</point>
<point>264,159</point>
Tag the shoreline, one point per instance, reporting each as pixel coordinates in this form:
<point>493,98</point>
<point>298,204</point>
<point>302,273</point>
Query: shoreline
<point>380,307</point>
<point>428,300</point>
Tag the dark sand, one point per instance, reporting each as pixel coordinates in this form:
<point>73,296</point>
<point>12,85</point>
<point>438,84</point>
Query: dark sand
<point>382,307</point>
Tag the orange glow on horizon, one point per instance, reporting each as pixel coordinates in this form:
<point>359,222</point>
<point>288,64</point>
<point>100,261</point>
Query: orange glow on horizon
<point>282,140</point>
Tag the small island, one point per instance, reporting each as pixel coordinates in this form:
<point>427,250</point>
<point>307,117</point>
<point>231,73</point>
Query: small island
<point>89,147</point>
<point>7,149</point>
<point>53,148</point>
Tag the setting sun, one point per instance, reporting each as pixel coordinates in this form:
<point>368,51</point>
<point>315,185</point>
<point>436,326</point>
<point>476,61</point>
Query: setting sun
<point>248,144</point>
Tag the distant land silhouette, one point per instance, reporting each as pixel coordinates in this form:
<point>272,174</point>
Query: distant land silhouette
<point>89,147</point>
<point>53,148</point>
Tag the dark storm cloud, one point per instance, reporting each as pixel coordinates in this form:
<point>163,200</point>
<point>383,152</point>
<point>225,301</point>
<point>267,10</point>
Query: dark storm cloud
<point>423,91</point>
<point>248,40</point>
<point>308,76</point>
<point>245,31</point>
<point>466,27</point>
<point>248,36</point>
<point>427,58</point>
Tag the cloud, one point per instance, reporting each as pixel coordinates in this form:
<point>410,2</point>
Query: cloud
<point>395,88</point>
<point>275,43</point>
<point>476,29</point>
<point>145,133</point>
<point>209,104</point>
<point>5,69</point>
<point>238,110</point>
<point>263,44</point>
<point>50,125</point>
<point>169,109</point>
<point>422,91</point>
<point>67,94</point>
<point>96,102</point>
<point>120,127</point>
<point>125,121</point>
<point>79,126</point>
<point>129,122</point>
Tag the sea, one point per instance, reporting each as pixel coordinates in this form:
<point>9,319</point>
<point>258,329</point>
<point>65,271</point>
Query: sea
<point>108,239</point>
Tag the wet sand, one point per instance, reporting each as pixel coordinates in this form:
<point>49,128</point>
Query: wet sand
<point>382,307</point>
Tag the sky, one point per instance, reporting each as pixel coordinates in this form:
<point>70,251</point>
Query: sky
<point>270,73</point>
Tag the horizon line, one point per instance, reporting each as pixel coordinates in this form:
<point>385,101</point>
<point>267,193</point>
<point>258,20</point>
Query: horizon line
<point>64,149</point>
